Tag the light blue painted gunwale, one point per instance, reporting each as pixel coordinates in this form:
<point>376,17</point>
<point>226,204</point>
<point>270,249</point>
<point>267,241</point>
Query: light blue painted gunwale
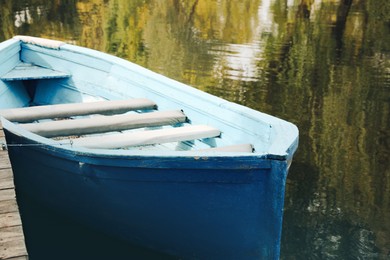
<point>17,97</point>
<point>10,59</point>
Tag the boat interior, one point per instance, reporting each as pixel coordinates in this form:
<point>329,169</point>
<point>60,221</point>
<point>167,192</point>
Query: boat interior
<point>119,124</point>
<point>93,100</point>
<point>135,123</point>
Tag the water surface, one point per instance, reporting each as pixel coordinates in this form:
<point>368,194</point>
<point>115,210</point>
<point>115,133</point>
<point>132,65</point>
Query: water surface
<point>321,64</point>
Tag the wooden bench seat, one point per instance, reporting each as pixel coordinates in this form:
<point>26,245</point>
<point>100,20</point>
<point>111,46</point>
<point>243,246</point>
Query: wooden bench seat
<point>102,124</point>
<point>29,114</point>
<point>147,137</point>
<point>238,148</point>
<point>28,71</point>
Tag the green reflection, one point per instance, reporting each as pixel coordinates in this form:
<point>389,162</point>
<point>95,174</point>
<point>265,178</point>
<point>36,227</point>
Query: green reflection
<point>322,64</point>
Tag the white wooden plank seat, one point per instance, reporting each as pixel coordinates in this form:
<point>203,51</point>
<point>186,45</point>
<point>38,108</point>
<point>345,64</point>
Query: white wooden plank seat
<point>101,124</point>
<point>148,137</point>
<point>239,148</point>
<point>29,114</point>
<point>28,71</point>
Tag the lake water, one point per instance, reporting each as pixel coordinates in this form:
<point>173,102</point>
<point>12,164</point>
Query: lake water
<point>321,64</point>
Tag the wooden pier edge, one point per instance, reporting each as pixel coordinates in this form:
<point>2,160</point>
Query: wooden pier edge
<point>12,243</point>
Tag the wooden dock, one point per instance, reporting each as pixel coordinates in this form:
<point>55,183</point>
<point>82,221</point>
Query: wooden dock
<point>12,244</point>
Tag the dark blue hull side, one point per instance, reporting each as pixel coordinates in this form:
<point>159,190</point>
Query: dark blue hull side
<point>195,208</point>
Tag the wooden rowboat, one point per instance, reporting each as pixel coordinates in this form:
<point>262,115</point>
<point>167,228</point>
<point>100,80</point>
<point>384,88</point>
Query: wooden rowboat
<point>141,156</point>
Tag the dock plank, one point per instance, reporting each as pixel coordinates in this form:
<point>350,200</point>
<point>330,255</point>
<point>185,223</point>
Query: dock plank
<point>10,219</point>
<point>6,173</point>
<point>6,183</point>
<point>12,243</point>
<point>8,206</point>
<point>7,194</point>
<point>12,247</point>
<point>10,233</point>
<point>4,161</point>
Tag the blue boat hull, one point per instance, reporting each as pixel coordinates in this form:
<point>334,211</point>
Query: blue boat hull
<point>193,197</point>
<point>195,208</point>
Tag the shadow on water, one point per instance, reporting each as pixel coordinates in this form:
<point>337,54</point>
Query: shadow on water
<point>52,236</point>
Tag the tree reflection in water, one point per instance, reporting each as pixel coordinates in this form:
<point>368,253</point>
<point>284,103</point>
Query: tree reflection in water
<point>323,65</point>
